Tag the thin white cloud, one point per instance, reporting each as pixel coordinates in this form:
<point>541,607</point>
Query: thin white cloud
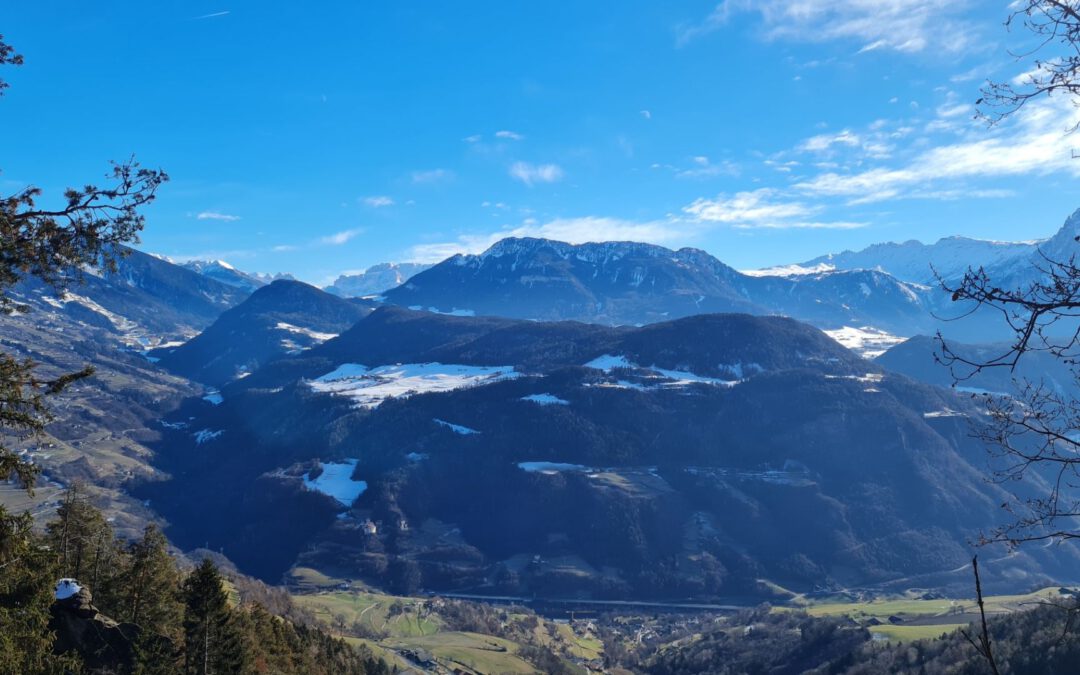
<point>339,238</point>
<point>647,114</point>
<point>704,168</point>
<point>475,138</point>
<point>212,15</point>
<point>1034,143</point>
<point>509,135</point>
<point>893,25</point>
<point>871,144</point>
<point>214,215</point>
<point>530,174</point>
<point>764,208</point>
<point>379,201</point>
<point>432,176</point>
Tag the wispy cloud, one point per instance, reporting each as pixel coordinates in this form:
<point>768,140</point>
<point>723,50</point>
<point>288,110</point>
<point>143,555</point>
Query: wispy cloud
<point>571,230</point>
<point>530,174</point>
<point>432,176</point>
<point>764,208</point>
<point>1035,143</point>
<point>339,238</point>
<point>509,135</point>
<point>379,201</point>
<point>212,15</point>
<point>702,168</point>
<point>647,114</point>
<point>874,143</point>
<point>895,25</point>
<point>214,215</point>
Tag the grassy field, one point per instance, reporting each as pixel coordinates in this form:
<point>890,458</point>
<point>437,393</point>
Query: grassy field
<point>584,647</point>
<point>925,619</point>
<point>398,617</point>
<point>904,633</point>
<point>476,653</point>
<point>394,625</point>
<point>883,608</point>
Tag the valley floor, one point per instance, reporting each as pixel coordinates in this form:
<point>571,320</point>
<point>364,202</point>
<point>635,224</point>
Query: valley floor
<point>464,634</point>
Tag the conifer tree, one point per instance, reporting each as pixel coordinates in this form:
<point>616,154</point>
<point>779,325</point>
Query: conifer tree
<point>27,574</point>
<point>152,601</point>
<point>211,641</point>
<point>78,528</point>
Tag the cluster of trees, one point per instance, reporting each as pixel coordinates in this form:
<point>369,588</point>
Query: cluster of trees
<point>181,622</point>
<point>1042,640</point>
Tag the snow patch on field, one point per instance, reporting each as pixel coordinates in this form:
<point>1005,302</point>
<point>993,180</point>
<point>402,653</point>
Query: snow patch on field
<point>683,377</point>
<point>314,335</point>
<point>456,428</point>
<point>983,392</point>
<point>545,399</point>
<point>369,387</point>
<point>551,468</point>
<point>871,378</point>
<point>609,362</point>
<point>206,435</point>
<point>336,481</point>
<point>945,412</point>
<point>867,342</point>
<point>214,397</point>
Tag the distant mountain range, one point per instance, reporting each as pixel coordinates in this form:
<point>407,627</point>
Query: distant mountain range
<point>920,263</point>
<point>948,258</point>
<point>375,279</point>
<point>229,275</point>
<point>620,283</point>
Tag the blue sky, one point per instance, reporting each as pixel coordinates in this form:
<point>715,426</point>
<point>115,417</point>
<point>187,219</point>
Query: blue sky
<point>319,138</point>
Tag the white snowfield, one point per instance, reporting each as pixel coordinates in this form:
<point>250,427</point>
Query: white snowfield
<point>867,342</point>
<point>545,399</point>
<point>369,387</point>
<point>336,481</point>
<point>868,378</point>
<point>314,335</point>
<point>456,428</point>
<point>213,397</point>
<point>551,468</point>
<point>206,435</point>
<point>944,412</point>
<point>790,270</point>
<point>609,362</point>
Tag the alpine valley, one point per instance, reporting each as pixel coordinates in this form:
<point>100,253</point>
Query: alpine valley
<point>608,421</point>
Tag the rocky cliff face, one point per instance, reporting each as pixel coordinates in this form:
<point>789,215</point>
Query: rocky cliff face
<point>104,645</point>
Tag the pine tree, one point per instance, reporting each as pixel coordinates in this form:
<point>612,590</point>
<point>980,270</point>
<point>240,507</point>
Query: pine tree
<point>77,532</point>
<point>152,601</point>
<point>211,639</point>
<point>27,575</point>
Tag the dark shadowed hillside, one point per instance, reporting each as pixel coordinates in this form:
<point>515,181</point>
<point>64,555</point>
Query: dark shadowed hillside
<point>283,317</point>
<point>693,456</point>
